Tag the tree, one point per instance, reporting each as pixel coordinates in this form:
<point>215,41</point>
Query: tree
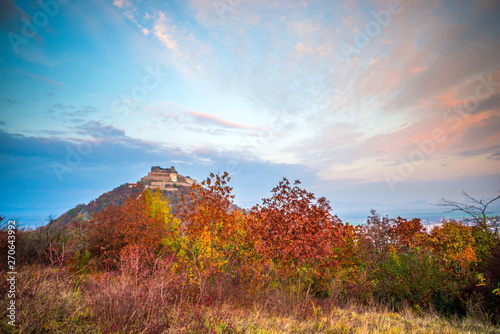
<point>141,222</point>
<point>405,233</point>
<point>292,229</point>
<point>477,210</point>
<point>454,243</point>
<point>376,234</point>
<point>206,213</point>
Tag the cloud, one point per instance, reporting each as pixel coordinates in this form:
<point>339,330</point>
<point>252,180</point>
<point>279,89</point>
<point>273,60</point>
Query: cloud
<point>9,102</point>
<point>482,136</point>
<point>190,54</point>
<point>105,146</point>
<point>31,189</point>
<point>345,151</point>
<point>47,80</point>
<point>29,46</point>
<point>495,156</point>
<point>22,146</point>
<point>166,32</point>
<point>121,3</point>
<point>222,122</point>
<point>179,45</point>
<point>178,117</point>
<point>70,113</point>
<point>98,130</point>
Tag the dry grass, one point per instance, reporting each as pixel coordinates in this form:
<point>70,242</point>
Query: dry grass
<point>158,299</point>
<point>354,320</point>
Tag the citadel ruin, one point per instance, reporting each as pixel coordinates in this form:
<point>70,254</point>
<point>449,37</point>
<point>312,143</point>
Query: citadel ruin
<point>165,179</point>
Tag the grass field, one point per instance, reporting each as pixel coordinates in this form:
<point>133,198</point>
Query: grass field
<point>54,300</point>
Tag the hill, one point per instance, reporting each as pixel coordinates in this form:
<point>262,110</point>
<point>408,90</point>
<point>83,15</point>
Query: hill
<point>171,184</point>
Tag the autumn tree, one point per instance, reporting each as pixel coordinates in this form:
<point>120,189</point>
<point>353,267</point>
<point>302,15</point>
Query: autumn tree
<point>406,233</point>
<point>347,250</point>
<point>291,227</point>
<point>142,221</point>
<point>382,233</point>
<point>454,243</point>
<point>376,234</point>
<point>159,210</point>
<point>206,213</point>
<point>485,225</point>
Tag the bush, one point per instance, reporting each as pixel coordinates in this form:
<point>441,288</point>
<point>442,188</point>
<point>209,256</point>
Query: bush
<point>142,221</point>
<point>414,276</point>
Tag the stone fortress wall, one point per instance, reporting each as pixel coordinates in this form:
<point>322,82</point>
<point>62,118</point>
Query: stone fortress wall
<point>165,179</point>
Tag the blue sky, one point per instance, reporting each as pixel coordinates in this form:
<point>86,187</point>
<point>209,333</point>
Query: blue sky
<point>377,103</point>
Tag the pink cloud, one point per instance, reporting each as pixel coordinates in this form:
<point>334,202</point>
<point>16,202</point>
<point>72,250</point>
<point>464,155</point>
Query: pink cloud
<point>222,122</point>
<point>418,69</point>
<point>48,80</point>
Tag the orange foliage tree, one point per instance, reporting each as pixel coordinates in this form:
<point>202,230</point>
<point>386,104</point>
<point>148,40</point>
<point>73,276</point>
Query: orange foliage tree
<point>134,224</point>
<point>376,234</point>
<point>407,233</point>
<point>208,205</point>
<point>347,250</point>
<point>291,229</point>
<point>381,234</point>
<point>206,215</point>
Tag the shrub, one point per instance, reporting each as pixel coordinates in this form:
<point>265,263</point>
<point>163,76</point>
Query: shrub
<point>414,276</point>
<point>142,221</point>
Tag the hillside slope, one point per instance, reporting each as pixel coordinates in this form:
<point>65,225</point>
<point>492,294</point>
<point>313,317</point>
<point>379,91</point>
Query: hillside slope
<point>115,197</point>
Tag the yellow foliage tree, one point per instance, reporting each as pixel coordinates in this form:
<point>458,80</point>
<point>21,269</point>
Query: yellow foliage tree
<point>454,242</point>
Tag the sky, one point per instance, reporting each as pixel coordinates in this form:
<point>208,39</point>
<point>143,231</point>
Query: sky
<point>387,105</point>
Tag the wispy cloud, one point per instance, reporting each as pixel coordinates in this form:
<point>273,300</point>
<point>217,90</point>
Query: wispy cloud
<point>44,79</point>
<point>70,113</point>
<point>222,122</point>
<point>121,3</point>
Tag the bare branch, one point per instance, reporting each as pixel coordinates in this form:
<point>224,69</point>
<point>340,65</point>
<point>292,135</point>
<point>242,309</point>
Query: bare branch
<point>477,209</point>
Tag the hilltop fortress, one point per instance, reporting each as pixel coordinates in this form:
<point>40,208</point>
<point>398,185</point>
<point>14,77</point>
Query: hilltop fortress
<point>165,179</point>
